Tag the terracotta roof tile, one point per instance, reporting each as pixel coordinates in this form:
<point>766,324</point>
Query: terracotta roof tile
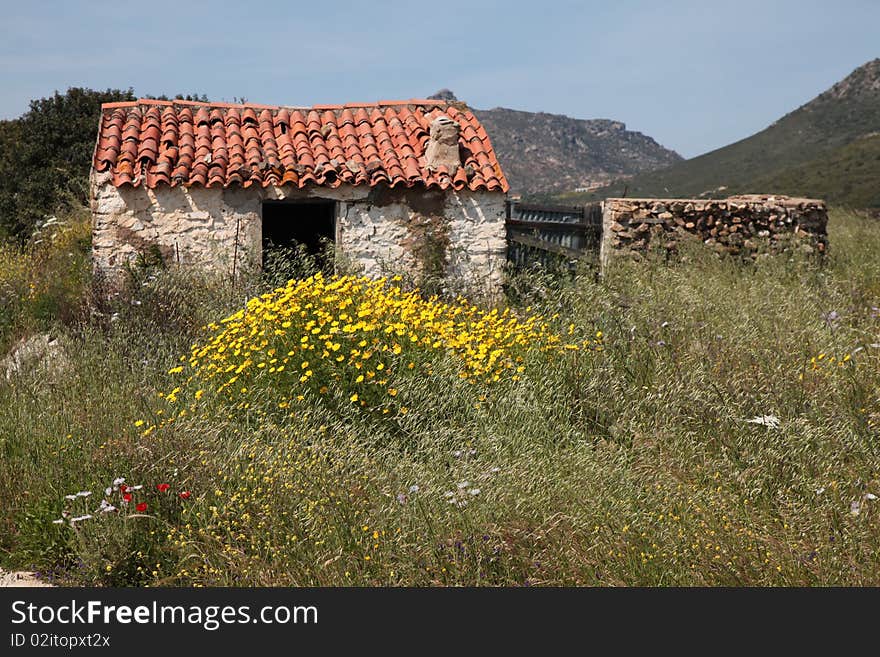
<point>189,143</point>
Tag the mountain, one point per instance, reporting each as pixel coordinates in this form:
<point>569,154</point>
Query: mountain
<point>824,148</point>
<point>543,152</point>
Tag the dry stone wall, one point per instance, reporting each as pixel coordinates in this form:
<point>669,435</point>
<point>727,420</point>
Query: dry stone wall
<point>740,225</point>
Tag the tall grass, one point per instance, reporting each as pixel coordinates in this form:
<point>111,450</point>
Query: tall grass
<point>640,464</point>
<point>44,283</point>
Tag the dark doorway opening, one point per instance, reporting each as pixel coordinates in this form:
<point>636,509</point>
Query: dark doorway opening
<point>298,236</point>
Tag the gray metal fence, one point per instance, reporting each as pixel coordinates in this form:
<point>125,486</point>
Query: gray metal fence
<point>552,233</point>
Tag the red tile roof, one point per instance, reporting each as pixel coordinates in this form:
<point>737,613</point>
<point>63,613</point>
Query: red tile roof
<point>152,143</point>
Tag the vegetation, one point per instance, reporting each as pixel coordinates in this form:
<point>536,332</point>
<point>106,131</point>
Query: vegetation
<point>707,421</point>
<point>47,280</point>
<point>710,422</point>
<point>45,157</point>
<point>847,176</point>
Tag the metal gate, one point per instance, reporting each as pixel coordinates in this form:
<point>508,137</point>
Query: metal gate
<point>552,234</point>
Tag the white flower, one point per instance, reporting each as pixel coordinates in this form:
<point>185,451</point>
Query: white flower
<point>118,481</point>
<point>870,496</point>
<point>136,487</point>
<point>495,469</point>
<point>70,497</point>
<point>820,490</point>
<point>108,491</point>
<point>769,421</point>
<point>108,508</point>
<point>414,488</point>
<point>463,484</point>
<point>474,491</point>
<point>449,493</point>
<point>457,453</point>
<point>855,507</point>
<point>60,521</point>
<point>84,493</point>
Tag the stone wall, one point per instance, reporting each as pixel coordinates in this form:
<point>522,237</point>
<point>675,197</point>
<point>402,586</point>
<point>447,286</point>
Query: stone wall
<point>378,230</point>
<point>742,225</point>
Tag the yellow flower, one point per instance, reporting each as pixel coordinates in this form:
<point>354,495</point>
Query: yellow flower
<point>361,327</point>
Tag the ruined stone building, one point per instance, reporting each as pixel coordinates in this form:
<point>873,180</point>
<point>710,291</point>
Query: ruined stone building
<point>402,185</point>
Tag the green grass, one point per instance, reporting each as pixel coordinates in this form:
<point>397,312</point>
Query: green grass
<point>634,465</point>
<point>45,282</point>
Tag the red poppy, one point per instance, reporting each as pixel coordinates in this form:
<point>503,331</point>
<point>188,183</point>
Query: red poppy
<point>126,497</point>
<point>185,495</point>
<point>122,488</point>
<point>140,508</point>
<point>162,487</point>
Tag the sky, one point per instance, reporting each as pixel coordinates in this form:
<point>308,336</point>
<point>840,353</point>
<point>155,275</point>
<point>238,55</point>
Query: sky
<point>694,75</point>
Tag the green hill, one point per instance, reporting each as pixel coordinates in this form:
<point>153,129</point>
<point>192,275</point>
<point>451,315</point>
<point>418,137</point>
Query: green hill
<point>816,150</point>
<point>847,176</point>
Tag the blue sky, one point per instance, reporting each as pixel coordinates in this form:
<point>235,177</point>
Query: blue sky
<point>693,75</point>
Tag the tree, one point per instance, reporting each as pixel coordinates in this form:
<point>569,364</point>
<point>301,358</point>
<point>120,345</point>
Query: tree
<point>200,98</point>
<point>10,136</point>
<point>46,154</point>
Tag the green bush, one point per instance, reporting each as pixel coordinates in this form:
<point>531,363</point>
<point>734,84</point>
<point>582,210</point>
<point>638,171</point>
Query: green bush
<point>45,157</point>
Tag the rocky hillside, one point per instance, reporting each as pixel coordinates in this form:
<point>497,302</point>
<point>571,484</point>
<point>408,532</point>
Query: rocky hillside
<point>823,148</point>
<point>543,152</point>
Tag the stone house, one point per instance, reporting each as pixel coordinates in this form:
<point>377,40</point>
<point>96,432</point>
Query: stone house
<point>397,186</point>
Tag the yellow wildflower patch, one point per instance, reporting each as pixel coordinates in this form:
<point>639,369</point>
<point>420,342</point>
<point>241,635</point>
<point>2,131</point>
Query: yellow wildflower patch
<point>360,336</point>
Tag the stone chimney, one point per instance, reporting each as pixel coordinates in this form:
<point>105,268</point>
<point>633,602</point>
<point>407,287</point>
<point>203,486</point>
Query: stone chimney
<point>442,149</point>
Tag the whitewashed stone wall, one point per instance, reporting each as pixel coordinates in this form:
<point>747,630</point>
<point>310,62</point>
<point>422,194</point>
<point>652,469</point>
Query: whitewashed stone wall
<point>221,229</point>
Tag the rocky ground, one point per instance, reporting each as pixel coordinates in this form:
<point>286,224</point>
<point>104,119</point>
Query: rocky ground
<point>20,578</point>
